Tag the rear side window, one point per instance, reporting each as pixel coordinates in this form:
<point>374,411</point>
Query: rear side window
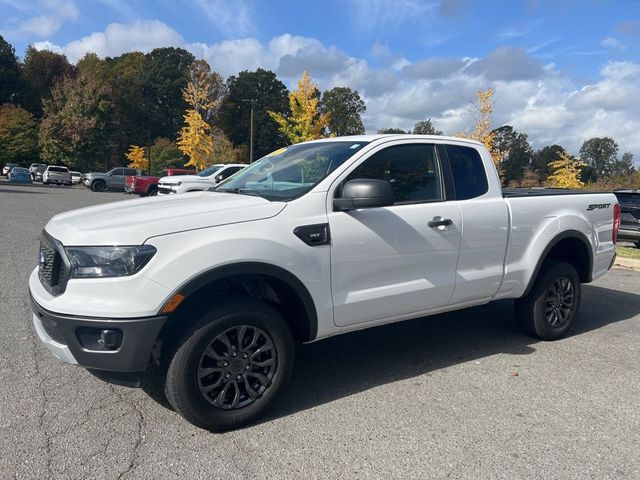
<point>412,170</point>
<point>130,171</point>
<point>469,176</point>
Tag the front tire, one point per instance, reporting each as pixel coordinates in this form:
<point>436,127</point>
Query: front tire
<point>230,366</point>
<point>637,244</point>
<point>98,186</point>
<point>551,307</point>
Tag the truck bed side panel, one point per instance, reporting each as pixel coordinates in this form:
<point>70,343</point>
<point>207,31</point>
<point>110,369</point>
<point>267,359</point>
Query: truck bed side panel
<point>537,221</point>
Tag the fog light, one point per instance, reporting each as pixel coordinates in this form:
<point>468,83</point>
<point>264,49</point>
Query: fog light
<point>110,339</point>
<point>100,339</point>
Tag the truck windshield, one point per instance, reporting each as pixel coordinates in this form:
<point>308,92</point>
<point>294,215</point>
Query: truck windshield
<point>210,171</point>
<point>292,171</point>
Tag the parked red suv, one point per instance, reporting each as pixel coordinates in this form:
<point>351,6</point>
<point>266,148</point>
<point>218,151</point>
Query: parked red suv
<point>146,186</point>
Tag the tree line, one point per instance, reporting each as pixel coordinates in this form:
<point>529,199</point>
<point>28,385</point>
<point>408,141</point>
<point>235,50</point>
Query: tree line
<point>169,109</point>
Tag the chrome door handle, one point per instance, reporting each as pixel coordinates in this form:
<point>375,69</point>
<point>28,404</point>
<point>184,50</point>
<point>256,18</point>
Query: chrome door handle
<point>440,222</point>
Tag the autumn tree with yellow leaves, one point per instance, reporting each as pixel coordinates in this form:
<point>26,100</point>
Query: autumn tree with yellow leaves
<point>137,157</point>
<point>305,121</point>
<point>482,131</point>
<point>565,172</point>
<point>203,93</point>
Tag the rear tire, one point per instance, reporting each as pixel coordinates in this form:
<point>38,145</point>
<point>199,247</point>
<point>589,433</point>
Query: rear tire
<point>98,186</point>
<point>218,379</point>
<point>550,308</point>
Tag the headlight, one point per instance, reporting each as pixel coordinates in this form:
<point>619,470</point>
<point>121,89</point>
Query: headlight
<point>177,184</point>
<point>99,262</point>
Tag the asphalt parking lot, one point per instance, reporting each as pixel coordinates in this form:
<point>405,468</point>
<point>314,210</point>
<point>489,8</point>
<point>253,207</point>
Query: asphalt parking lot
<point>461,395</point>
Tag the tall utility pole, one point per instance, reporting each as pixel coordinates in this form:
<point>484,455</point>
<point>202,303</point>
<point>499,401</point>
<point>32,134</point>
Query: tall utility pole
<point>252,102</point>
<point>149,156</point>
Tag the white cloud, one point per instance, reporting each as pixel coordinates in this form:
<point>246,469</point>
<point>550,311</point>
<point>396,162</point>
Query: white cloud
<point>41,18</point>
<point>536,99</point>
<point>613,43</point>
<point>387,14</point>
<point>118,38</point>
<point>232,18</point>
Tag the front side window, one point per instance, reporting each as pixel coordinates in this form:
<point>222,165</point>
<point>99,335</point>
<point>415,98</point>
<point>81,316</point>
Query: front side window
<point>412,170</point>
<point>116,171</point>
<point>292,171</point>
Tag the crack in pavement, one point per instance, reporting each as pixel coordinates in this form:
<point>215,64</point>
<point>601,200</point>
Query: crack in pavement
<point>133,462</point>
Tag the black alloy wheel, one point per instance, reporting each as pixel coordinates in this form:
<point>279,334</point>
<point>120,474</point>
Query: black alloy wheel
<point>237,367</point>
<point>559,302</point>
<point>550,308</point>
<point>231,365</point>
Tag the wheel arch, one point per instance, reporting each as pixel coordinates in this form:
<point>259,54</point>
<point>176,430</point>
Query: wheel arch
<point>262,281</point>
<point>571,246</point>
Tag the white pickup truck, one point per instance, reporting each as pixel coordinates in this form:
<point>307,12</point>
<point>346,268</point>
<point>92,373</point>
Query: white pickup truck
<point>314,240</point>
<point>202,181</point>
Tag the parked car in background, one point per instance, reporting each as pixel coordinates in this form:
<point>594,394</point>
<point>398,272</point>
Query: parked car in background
<point>114,179</point>
<point>56,175</point>
<point>7,168</point>
<point>630,220</point>
<point>202,181</point>
<point>19,175</point>
<point>39,171</point>
<point>76,177</point>
<point>33,168</point>
<point>148,186</point>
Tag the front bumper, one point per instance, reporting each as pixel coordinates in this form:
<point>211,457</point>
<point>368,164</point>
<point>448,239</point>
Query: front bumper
<point>74,339</point>
<point>167,189</point>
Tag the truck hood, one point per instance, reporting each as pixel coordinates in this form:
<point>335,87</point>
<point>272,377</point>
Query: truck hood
<point>132,222</point>
<point>185,178</point>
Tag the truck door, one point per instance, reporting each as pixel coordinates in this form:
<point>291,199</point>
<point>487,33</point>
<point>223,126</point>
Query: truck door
<point>398,260</point>
<point>485,225</point>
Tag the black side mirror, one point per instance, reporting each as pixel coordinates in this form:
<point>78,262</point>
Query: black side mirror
<point>218,178</point>
<point>364,193</point>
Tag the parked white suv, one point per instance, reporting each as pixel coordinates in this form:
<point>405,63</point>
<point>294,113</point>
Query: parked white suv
<point>201,181</point>
<point>56,175</point>
<point>318,239</point>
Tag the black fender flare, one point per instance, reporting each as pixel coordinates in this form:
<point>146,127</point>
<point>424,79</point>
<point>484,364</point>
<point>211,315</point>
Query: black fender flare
<point>258,268</point>
<point>557,239</point>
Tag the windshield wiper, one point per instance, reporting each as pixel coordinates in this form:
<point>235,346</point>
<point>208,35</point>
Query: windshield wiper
<point>241,191</point>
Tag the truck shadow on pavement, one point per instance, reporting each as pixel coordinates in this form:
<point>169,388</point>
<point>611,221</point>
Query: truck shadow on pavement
<point>347,364</point>
<point>341,366</point>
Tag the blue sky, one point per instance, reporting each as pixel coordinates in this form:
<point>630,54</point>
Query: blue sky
<point>562,70</point>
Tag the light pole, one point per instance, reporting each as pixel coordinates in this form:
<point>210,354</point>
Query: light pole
<point>149,155</point>
<point>252,102</point>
